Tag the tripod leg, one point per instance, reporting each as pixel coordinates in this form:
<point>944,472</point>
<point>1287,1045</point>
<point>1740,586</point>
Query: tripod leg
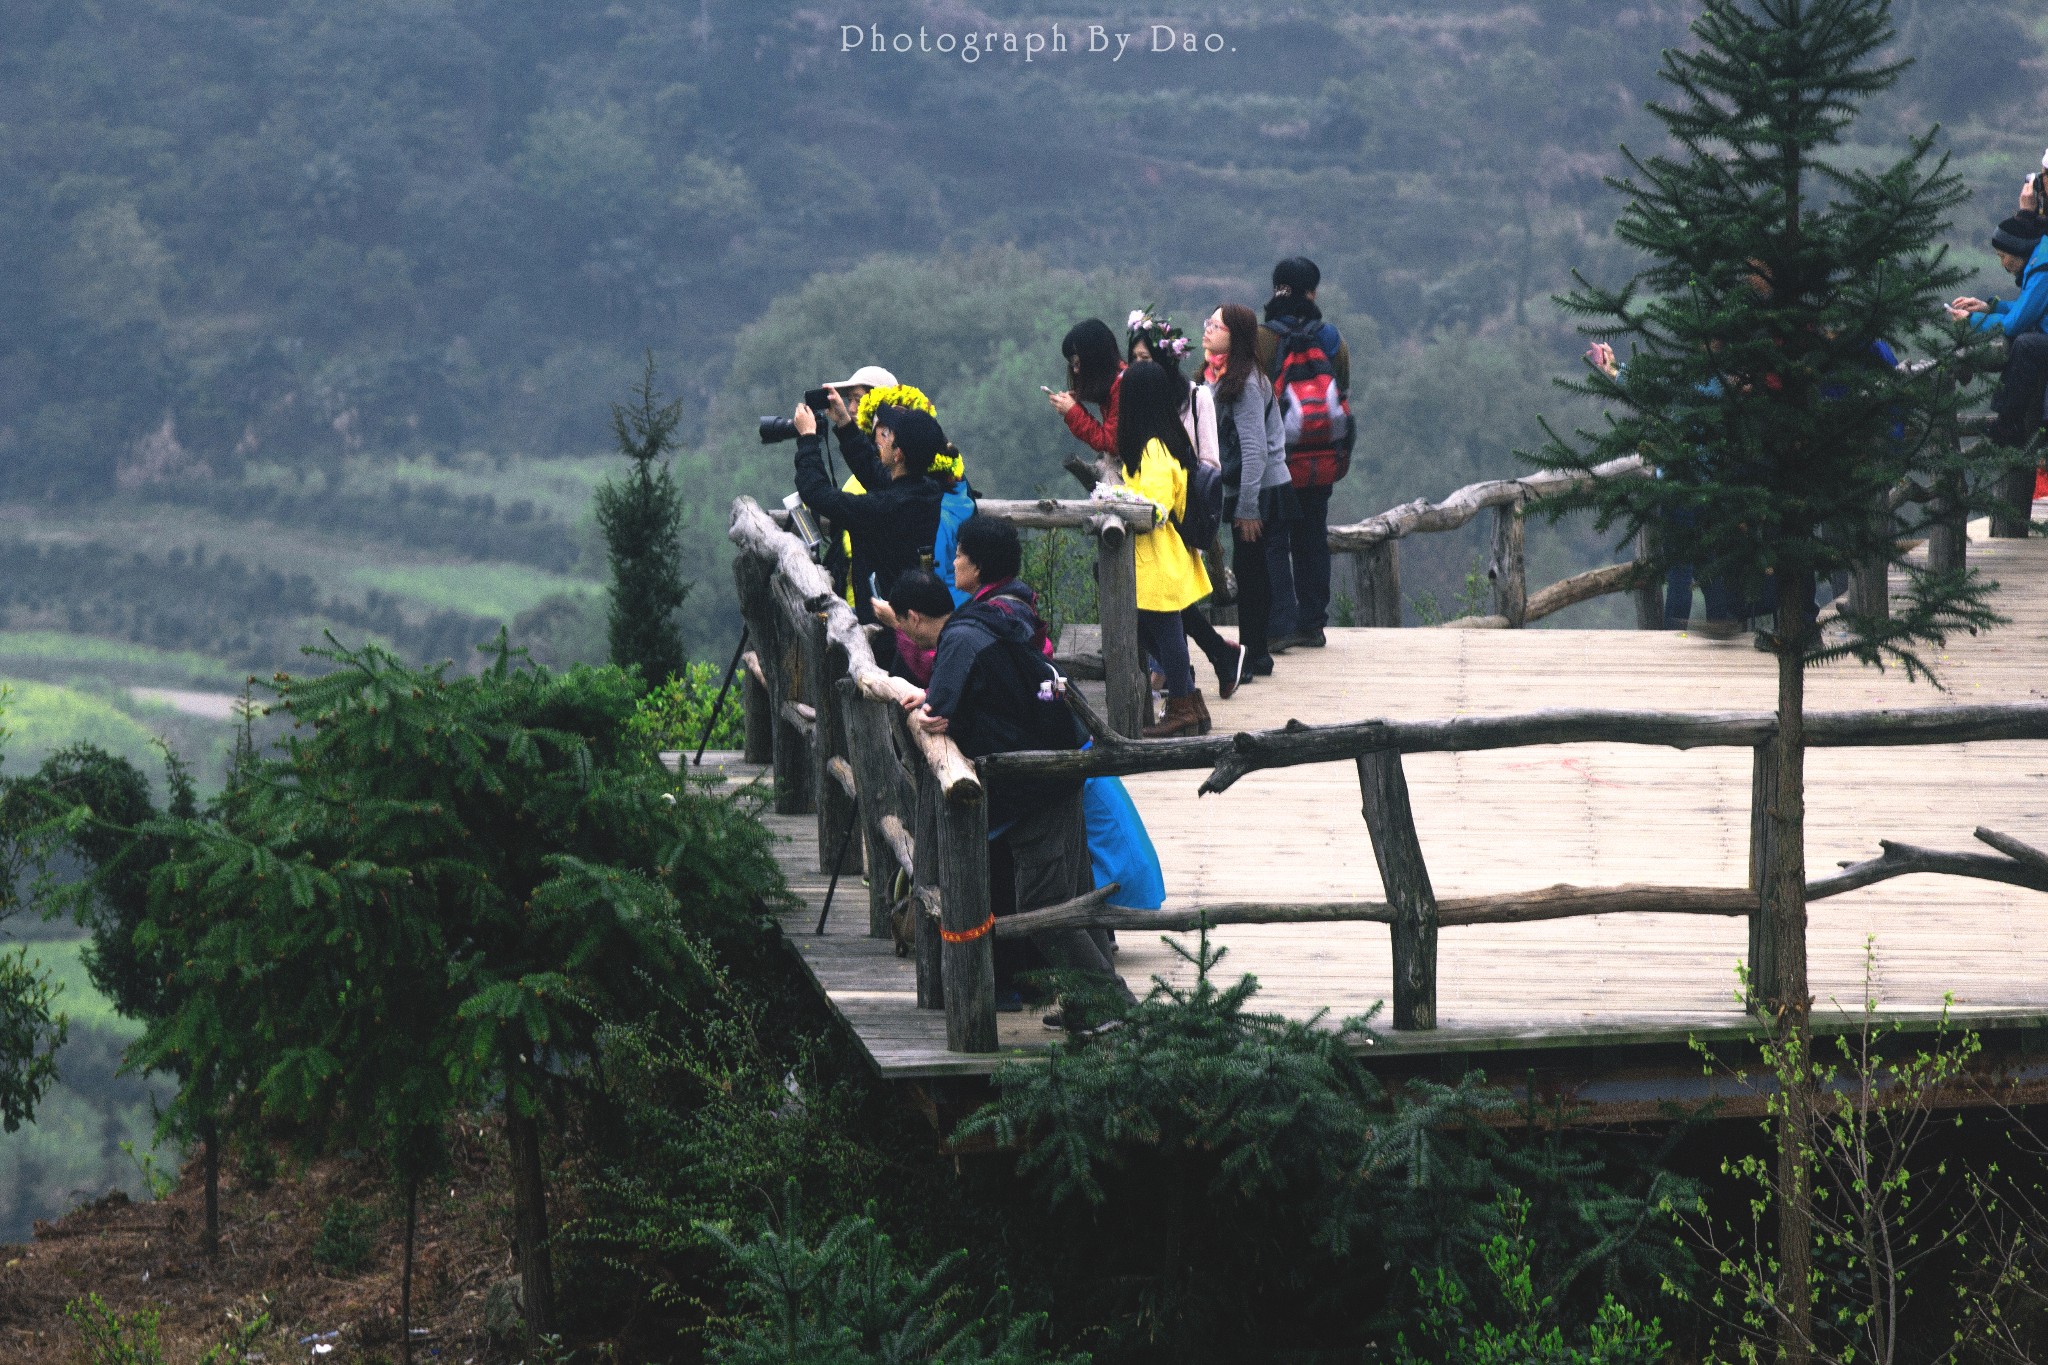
<point>838,860</point>
<point>711,720</point>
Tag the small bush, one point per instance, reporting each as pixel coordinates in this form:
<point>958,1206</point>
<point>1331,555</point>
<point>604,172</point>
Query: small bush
<point>344,1242</point>
<point>114,1338</point>
<point>672,715</point>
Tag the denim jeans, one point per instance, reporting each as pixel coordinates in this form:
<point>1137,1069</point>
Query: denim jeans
<point>1165,639</point>
<point>1301,590</point>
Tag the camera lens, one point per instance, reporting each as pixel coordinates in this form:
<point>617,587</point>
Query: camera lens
<point>775,429</point>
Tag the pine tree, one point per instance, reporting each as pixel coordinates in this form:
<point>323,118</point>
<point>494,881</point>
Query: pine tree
<point>1753,386</point>
<point>641,516</point>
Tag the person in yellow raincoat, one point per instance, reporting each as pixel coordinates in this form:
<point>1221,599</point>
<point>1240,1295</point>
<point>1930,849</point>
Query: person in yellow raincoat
<point>1153,448</point>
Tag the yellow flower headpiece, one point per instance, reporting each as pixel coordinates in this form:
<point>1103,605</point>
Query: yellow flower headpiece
<point>906,396</point>
<point>895,396</point>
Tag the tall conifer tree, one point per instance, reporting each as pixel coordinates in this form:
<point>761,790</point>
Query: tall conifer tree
<point>641,516</point>
<point>1753,384</point>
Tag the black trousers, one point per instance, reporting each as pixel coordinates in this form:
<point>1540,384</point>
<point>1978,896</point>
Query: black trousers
<point>1254,592</point>
<point>2020,389</point>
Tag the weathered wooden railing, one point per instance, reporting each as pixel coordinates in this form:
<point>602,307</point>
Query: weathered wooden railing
<point>1411,907</point>
<point>832,724</point>
<point>1372,547</point>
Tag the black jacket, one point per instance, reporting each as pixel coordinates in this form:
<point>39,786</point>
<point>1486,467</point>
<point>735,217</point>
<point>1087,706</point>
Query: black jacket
<point>986,681</point>
<point>893,526</point>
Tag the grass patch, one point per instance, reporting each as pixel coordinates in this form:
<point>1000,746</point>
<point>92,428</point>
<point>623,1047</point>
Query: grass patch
<point>41,718</point>
<point>61,647</point>
<point>494,591</point>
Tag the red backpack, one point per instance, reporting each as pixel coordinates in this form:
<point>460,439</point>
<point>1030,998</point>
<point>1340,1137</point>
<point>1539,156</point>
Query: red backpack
<point>1312,408</point>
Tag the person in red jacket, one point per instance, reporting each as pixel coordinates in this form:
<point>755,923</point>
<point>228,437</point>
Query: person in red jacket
<point>1095,373</point>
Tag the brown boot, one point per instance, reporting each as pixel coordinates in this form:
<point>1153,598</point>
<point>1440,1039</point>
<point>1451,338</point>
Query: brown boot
<point>1181,719</point>
<point>1202,711</point>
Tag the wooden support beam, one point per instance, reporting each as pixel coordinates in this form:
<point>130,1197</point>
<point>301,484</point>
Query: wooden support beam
<point>969,970</point>
<point>1649,588</point>
<point>1507,570</point>
<point>759,715</point>
<point>2013,848</point>
<point>1127,690</point>
<point>925,854</point>
<point>879,780</point>
<point>1580,587</point>
<point>841,772</point>
<point>1391,821</point>
<point>836,804</point>
<point>1379,584</point>
<point>900,844</point>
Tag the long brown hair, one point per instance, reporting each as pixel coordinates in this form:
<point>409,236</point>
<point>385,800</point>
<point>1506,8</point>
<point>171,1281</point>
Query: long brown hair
<point>1243,325</point>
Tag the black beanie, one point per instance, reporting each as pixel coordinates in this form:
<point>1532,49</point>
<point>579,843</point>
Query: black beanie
<point>2018,236</point>
<point>918,435</point>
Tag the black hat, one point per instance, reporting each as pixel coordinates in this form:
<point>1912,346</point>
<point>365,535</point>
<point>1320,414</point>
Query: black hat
<point>918,435</point>
<point>2018,236</point>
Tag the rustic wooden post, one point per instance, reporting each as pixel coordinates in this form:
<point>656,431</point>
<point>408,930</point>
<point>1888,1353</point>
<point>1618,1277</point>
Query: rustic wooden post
<point>836,811</point>
<point>2012,513</point>
<point>1506,569</point>
<point>1870,582</point>
<point>793,782</point>
<point>1379,584</point>
<point>1128,691</point>
<point>926,852</point>
<point>1405,877</point>
<point>1763,795</point>
<point>876,771</point>
<point>788,750</point>
<point>1649,589</point>
<point>969,970</point>
<point>1948,538</point>
<point>759,746</point>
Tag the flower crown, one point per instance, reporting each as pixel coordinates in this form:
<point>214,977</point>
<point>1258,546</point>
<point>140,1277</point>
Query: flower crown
<point>895,396</point>
<point>1159,334</point>
<point>906,396</point>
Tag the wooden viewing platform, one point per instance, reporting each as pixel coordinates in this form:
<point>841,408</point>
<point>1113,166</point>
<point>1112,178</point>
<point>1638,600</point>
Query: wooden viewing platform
<point>1554,874</point>
<point>1588,814</point>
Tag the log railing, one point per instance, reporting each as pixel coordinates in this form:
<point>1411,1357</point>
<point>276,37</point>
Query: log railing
<point>1410,907</point>
<point>1370,548</point>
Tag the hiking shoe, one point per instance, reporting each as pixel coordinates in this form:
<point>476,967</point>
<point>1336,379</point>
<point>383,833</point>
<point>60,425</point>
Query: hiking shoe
<point>1258,666</point>
<point>1312,639</point>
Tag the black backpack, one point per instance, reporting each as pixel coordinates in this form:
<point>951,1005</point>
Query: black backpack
<point>1202,518</point>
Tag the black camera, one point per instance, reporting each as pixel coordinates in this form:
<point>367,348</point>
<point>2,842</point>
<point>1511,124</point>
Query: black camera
<point>775,429</point>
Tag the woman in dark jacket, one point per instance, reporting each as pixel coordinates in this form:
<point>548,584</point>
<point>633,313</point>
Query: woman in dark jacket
<point>1258,495</point>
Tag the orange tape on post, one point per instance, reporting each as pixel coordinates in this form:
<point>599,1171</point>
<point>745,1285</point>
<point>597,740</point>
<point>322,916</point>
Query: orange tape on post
<point>969,935</point>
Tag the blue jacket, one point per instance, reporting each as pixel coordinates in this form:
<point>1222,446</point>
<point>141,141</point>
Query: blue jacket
<point>2025,313</point>
<point>956,507</point>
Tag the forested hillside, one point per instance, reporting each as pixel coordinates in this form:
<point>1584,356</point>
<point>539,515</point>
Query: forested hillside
<point>308,302</point>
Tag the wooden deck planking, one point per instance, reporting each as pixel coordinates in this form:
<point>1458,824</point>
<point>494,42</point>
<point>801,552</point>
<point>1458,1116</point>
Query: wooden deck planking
<point>1588,814</point>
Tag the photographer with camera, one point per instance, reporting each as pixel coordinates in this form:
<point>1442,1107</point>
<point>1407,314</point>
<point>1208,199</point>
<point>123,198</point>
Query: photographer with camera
<point>894,525</point>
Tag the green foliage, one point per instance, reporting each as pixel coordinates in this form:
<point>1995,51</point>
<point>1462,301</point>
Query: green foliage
<point>1776,264</point>
<point>440,893</point>
<point>1060,567</point>
<point>157,1181</point>
<point>1903,1202</point>
<point>117,1338</point>
<point>346,1237</point>
<point>1472,599</point>
<point>672,716</point>
<point>1451,1329</point>
<point>848,1299</point>
<point>1250,1147</point>
<point>641,517</point>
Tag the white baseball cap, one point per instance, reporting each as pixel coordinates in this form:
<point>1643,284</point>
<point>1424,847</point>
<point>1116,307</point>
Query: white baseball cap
<point>867,376</point>
<point>2044,161</point>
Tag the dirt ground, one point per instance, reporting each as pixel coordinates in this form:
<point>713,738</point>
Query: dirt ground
<point>137,1256</point>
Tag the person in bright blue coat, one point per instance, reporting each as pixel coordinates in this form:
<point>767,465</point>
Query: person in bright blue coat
<point>2023,250</point>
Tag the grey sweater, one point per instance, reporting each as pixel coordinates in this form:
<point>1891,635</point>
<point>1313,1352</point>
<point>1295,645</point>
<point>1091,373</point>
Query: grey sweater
<point>1261,444</point>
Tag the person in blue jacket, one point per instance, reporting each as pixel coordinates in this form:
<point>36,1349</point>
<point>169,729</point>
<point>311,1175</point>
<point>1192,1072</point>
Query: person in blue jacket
<point>2023,250</point>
